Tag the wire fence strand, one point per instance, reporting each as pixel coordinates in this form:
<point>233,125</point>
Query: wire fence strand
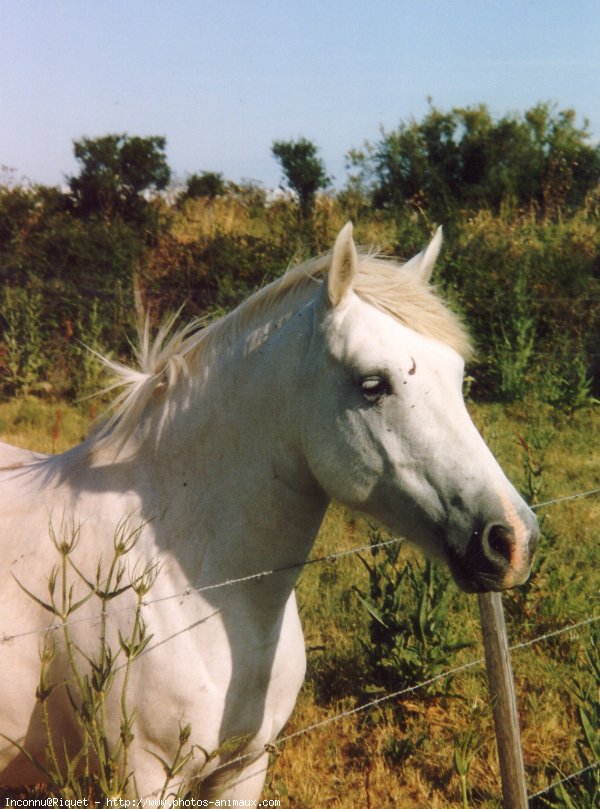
<point>443,675</point>
<point>379,700</point>
<point>329,720</point>
<point>565,499</point>
<point>565,780</point>
<point>114,611</point>
<point>276,746</point>
<point>9,637</point>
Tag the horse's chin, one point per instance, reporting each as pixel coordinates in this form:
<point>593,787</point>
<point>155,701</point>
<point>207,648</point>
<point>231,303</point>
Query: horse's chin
<point>477,584</point>
<point>479,581</point>
<point>441,553</point>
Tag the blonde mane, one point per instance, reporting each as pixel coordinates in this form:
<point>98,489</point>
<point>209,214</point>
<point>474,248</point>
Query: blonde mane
<point>173,356</point>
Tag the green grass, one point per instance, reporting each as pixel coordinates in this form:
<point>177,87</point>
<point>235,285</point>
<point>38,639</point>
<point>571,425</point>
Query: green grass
<point>403,752</point>
<point>43,426</point>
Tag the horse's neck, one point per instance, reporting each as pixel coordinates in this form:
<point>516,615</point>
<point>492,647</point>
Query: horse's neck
<point>232,494</point>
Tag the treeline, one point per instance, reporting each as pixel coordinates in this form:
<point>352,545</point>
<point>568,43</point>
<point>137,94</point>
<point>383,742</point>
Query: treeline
<point>519,198</point>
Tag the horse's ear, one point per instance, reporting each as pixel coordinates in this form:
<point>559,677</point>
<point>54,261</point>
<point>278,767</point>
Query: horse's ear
<point>422,264</point>
<point>344,266</point>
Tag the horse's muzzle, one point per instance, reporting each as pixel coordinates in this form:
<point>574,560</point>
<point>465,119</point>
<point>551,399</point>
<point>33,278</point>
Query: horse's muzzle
<point>496,558</point>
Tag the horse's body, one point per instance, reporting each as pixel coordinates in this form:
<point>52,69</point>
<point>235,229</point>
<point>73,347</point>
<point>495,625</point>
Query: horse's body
<point>341,380</point>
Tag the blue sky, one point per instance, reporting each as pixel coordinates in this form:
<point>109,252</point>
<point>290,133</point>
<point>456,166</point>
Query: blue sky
<point>222,80</point>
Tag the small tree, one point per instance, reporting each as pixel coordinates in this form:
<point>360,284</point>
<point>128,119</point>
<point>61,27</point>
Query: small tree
<point>304,172</point>
<point>116,171</point>
<point>467,159</point>
<point>207,184</point>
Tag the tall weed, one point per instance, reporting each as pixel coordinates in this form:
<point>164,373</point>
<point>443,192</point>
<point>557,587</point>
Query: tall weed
<point>410,637</point>
<point>528,287</point>
<point>87,351</point>
<point>515,344</point>
<point>100,768</point>
<point>22,348</point>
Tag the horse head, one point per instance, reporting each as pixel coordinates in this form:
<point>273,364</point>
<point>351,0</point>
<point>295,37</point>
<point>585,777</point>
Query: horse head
<point>389,433</point>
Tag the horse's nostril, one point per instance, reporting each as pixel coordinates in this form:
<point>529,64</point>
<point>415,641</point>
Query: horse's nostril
<point>496,558</point>
<point>501,541</point>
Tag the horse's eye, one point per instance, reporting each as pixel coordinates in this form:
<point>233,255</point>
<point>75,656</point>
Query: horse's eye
<point>373,388</point>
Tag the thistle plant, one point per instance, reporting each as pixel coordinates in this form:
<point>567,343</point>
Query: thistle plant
<point>100,768</point>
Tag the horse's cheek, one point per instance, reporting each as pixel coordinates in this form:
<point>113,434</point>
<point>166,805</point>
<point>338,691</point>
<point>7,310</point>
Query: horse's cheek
<point>353,460</point>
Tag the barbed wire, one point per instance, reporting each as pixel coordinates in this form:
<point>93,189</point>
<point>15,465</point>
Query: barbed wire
<point>564,499</point>
<point>113,612</point>
<point>443,675</point>
<point>7,638</point>
<point>553,632</point>
<point>331,557</point>
<point>274,747</point>
<point>565,780</point>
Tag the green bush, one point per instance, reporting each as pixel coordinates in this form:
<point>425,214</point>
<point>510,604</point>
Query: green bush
<point>526,283</point>
<point>411,638</point>
<point>528,289</point>
<point>22,358</point>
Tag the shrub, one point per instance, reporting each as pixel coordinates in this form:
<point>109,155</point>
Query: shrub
<point>410,636</point>
<point>22,357</point>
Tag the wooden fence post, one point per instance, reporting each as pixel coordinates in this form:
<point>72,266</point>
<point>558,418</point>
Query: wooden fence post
<point>502,693</point>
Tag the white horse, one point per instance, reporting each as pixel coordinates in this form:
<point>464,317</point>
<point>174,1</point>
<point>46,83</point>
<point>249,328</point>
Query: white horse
<point>341,380</point>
